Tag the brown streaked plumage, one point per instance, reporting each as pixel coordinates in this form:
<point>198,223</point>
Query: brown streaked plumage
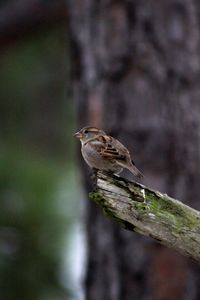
<point>103,152</point>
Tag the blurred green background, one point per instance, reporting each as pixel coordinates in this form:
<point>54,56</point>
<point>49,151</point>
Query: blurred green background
<point>39,199</point>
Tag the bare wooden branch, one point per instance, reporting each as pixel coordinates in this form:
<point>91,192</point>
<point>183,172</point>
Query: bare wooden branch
<point>149,212</point>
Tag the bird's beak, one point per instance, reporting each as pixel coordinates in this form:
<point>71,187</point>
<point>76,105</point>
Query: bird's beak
<point>78,135</point>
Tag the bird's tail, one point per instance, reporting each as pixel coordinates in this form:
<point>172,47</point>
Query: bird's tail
<point>132,168</point>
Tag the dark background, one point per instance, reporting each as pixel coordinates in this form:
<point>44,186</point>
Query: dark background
<point>131,68</point>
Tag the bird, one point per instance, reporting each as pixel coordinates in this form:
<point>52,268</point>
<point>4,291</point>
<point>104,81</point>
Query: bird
<point>103,152</point>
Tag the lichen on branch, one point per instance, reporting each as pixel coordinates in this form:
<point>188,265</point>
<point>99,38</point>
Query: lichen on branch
<point>149,212</point>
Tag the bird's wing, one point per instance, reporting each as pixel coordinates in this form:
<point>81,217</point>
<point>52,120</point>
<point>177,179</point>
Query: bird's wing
<point>115,152</point>
<point>112,149</point>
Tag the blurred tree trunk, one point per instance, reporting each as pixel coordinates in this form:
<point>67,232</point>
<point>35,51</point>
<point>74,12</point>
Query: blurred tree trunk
<point>136,74</point>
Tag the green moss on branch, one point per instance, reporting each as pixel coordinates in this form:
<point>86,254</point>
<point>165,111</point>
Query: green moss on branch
<point>150,213</point>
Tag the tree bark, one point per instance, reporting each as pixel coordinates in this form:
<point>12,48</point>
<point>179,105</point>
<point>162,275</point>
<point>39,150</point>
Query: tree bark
<point>150,213</point>
<point>136,75</point>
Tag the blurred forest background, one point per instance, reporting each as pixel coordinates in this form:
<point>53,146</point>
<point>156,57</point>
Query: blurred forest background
<point>39,202</point>
<point>131,67</point>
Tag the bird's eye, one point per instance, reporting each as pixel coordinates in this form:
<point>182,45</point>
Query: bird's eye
<point>86,131</point>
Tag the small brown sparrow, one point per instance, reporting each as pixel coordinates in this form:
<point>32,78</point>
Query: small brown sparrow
<point>103,152</point>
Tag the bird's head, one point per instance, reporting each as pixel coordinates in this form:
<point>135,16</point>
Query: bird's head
<point>87,133</point>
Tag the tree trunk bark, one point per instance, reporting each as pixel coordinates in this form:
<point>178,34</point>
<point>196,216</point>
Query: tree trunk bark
<point>136,74</point>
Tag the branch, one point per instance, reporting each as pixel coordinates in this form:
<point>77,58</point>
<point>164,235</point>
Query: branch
<point>140,209</point>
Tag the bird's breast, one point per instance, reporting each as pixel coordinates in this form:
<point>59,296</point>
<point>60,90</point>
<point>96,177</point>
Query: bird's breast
<point>93,158</point>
